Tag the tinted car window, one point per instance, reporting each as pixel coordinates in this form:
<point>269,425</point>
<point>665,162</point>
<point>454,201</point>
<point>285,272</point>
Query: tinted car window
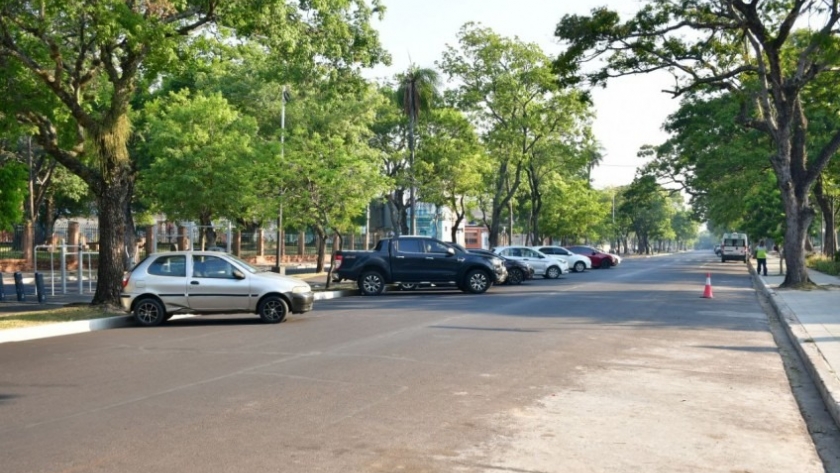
<point>408,246</point>
<point>212,267</point>
<point>530,253</point>
<point>174,266</point>
<point>433,246</point>
<point>515,252</point>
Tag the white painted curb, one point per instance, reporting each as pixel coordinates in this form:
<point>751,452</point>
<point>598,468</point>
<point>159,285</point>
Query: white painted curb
<point>83,326</point>
<point>63,328</point>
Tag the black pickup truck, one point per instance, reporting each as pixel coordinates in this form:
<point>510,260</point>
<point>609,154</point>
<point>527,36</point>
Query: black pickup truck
<point>416,260</point>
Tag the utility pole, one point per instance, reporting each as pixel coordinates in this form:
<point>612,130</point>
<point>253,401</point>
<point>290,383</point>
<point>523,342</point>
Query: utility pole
<point>285,96</point>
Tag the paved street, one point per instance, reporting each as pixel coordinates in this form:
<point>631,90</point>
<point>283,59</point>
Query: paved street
<point>618,370</point>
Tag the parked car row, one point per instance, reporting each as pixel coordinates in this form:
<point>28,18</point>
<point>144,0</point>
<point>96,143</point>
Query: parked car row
<point>164,284</point>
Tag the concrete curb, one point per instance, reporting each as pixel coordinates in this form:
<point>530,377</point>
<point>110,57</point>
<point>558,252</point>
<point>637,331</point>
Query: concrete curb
<point>83,326</point>
<point>63,328</point>
<point>824,377</point>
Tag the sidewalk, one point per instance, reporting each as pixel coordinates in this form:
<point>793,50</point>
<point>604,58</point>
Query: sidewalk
<point>812,321</point>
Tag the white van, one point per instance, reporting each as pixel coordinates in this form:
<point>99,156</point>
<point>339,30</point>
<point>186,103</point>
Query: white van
<point>734,246</point>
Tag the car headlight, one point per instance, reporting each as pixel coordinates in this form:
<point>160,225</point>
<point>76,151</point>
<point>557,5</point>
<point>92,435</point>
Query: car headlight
<point>498,262</point>
<point>301,289</point>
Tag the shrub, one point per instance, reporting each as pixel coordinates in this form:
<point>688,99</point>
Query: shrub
<point>823,264</point>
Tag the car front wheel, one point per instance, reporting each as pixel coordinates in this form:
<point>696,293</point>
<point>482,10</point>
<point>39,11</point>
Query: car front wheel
<point>580,266</point>
<point>371,283</point>
<point>606,263</point>
<point>477,281</point>
<point>515,277</point>
<point>149,312</point>
<point>552,272</point>
<point>273,309</point>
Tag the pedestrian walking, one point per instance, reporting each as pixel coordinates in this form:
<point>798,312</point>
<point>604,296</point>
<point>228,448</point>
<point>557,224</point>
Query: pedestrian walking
<point>761,257</point>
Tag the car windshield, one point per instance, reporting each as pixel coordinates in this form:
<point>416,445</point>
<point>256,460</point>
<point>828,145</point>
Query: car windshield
<point>245,265</point>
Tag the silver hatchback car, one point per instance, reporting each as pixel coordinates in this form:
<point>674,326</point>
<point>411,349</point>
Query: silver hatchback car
<point>206,282</point>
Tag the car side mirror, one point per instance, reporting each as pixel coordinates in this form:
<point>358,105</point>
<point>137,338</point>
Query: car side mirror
<point>450,251</point>
<point>238,274</point>
<point>594,253</point>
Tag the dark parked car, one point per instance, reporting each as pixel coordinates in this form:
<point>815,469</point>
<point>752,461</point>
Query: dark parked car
<point>419,260</point>
<point>599,258</point>
<point>517,270</point>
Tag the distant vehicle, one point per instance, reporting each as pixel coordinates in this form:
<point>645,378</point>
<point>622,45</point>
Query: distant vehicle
<point>717,250</point>
<point>549,267</point>
<point>418,260</point>
<point>205,282</point>
<point>734,246</point>
<point>599,258</point>
<point>577,262</point>
<point>518,271</point>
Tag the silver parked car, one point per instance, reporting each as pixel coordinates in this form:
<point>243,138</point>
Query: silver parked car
<point>206,282</point>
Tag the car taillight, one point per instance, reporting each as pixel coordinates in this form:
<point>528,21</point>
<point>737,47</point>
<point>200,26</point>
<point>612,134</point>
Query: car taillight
<point>125,280</point>
<point>337,262</point>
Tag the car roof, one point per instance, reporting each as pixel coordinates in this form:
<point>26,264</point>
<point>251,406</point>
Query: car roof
<point>175,253</point>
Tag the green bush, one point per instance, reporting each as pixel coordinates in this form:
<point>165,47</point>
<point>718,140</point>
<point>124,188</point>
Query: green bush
<point>823,264</point>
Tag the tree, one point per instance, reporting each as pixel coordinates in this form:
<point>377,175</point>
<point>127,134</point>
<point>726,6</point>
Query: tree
<point>450,163</point>
<point>509,92</point>
<point>417,89</point>
<point>572,209</point>
<point>331,171</point>
<point>647,208</point>
<point>76,65</point>
<point>205,154</point>
<point>749,49</point>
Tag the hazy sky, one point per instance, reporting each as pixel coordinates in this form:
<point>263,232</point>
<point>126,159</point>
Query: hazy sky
<point>630,111</point>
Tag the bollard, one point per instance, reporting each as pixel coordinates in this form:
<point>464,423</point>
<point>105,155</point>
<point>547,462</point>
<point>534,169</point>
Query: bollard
<point>21,294</point>
<point>2,291</point>
<point>39,288</point>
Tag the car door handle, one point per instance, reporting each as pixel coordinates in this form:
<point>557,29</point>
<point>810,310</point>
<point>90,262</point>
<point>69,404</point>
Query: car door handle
<point>400,257</point>
<point>194,283</point>
<point>430,257</point>
<point>460,260</point>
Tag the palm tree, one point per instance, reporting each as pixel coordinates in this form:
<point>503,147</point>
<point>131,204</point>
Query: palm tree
<point>418,88</point>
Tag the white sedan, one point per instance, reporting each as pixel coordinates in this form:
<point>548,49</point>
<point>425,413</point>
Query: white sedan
<point>578,263</point>
<point>547,266</point>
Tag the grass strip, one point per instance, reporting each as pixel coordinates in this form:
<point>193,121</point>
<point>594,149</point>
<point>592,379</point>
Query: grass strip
<point>62,314</point>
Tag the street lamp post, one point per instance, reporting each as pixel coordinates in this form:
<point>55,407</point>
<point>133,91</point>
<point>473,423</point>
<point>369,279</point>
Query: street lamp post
<point>280,268</point>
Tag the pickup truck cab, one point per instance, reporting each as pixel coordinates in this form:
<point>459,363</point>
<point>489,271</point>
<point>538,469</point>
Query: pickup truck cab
<point>417,260</point>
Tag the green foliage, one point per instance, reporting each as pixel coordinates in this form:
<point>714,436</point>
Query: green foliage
<point>330,172</point>
<point>204,153</point>
<point>13,182</point>
<point>573,210</point>
<point>824,264</point>
<point>508,91</point>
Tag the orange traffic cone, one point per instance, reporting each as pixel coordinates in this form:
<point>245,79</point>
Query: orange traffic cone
<point>707,292</point>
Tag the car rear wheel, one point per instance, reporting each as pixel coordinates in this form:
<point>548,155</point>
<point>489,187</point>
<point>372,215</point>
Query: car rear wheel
<point>408,286</point>
<point>477,281</point>
<point>273,310</point>
<point>579,267</point>
<point>371,283</point>
<point>515,276</point>
<point>149,312</point>
<point>552,272</point>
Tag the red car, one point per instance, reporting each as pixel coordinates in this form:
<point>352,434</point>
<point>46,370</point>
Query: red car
<point>599,258</point>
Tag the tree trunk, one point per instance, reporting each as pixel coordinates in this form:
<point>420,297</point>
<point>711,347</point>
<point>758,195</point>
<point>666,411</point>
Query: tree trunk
<point>112,188</point>
<point>798,217</point>
<point>111,201</point>
<point>336,248</point>
<point>826,204</point>
<point>322,249</point>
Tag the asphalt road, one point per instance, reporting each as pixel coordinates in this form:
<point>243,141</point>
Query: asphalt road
<point>618,370</point>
